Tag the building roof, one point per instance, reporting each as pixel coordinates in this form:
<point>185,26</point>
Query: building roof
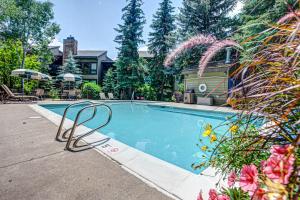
<point>55,50</point>
<point>89,53</point>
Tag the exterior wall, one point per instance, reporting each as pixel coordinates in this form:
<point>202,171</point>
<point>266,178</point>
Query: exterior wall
<point>216,81</point>
<point>86,76</point>
<point>100,67</point>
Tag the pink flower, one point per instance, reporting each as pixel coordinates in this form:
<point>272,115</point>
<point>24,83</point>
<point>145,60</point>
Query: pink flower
<point>200,197</point>
<point>278,150</point>
<point>213,195</point>
<point>223,197</point>
<point>279,168</point>
<point>259,194</point>
<point>231,179</point>
<point>249,178</point>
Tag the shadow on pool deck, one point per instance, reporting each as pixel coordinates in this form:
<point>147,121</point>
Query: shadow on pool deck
<point>34,166</point>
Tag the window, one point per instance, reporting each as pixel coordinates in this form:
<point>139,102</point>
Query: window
<point>93,68</point>
<point>85,68</point>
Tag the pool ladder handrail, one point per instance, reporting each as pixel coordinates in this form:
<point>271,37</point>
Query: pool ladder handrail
<point>57,138</point>
<point>75,125</point>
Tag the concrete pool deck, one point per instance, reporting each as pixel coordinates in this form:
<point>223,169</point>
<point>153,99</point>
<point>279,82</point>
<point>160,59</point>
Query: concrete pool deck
<point>34,166</point>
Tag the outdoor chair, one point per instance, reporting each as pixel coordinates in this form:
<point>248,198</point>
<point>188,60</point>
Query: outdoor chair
<point>72,94</point>
<point>102,96</point>
<point>64,94</point>
<point>40,93</point>
<point>9,95</point>
<point>78,94</point>
<point>111,96</point>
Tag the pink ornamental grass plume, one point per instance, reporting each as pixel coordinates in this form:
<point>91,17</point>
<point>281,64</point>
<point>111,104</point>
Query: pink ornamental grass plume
<point>231,179</point>
<point>212,51</point>
<point>249,178</point>
<point>289,16</point>
<point>192,42</point>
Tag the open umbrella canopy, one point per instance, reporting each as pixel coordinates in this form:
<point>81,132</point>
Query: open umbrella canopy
<point>30,74</point>
<point>45,77</point>
<point>69,77</point>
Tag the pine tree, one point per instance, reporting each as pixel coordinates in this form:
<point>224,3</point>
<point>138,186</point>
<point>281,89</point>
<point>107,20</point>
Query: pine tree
<point>109,82</point>
<point>256,17</point>
<point>203,17</point>
<point>70,66</point>
<point>129,70</point>
<point>161,40</point>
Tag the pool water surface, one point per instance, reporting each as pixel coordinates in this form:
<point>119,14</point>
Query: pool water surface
<point>168,133</point>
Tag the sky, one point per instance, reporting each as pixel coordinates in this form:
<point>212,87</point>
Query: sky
<point>92,22</point>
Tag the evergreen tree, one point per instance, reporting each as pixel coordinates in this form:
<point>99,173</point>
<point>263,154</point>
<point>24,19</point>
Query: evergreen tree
<point>161,40</point>
<point>70,66</point>
<point>258,15</point>
<point>109,81</point>
<point>203,17</point>
<point>129,70</point>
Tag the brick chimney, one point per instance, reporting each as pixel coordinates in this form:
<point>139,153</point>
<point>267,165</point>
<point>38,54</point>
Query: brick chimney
<point>70,45</point>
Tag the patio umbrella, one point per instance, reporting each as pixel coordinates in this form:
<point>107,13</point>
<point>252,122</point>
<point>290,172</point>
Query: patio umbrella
<point>30,74</point>
<point>45,77</point>
<point>68,77</point>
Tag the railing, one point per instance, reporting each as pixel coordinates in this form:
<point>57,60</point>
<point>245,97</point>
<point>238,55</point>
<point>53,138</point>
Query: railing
<point>76,124</point>
<point>132,96</point>
<point>64,138</point>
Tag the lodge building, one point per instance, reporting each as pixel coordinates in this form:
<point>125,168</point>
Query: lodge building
<point>93,63</point>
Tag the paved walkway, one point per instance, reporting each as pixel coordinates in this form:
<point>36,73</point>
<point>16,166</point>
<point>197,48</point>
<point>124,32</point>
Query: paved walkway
<point>34,166</point>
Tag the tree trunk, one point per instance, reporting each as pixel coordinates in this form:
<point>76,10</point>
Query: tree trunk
<point>23,64</point>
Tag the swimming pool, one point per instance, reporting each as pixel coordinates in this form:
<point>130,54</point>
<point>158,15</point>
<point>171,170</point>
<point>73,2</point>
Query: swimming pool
<point>168,133</point>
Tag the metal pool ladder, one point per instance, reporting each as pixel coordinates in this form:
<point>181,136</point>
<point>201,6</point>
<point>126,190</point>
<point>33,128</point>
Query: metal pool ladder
<point>76,124</point>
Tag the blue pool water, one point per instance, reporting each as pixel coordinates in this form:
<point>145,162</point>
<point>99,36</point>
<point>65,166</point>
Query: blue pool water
<point>170,134</point>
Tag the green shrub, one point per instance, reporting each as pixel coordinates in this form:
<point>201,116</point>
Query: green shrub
<point>181,88</point>
<point>147,92</point>
<point>30,86</point>
<point>54,94</point>
<point>91,90</point>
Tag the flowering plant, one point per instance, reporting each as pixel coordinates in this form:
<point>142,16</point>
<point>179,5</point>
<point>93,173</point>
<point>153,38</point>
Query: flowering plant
<point>270,181</point>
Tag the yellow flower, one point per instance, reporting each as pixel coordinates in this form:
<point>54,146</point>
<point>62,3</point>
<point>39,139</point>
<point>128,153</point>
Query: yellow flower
<point>213,138</point>
<point>204,148</point>
<point>234,129</point>
<point>206,133</point>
